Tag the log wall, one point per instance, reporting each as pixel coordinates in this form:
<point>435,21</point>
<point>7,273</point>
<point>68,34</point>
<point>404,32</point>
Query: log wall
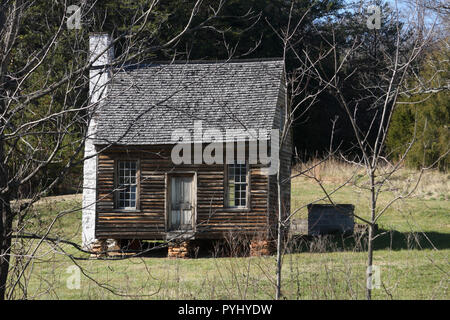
<point>213,219</point>
<point>285,167</point>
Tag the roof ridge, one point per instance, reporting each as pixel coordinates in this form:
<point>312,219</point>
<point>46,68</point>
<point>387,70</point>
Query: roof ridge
<point>192,62</point>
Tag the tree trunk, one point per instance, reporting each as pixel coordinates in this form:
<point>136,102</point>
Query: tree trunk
<point>373,204</point>
<point>5,225</point>
<point>369,263</point>
<point>5,238</point>
<point>279,235</point>
<point>5,210</point>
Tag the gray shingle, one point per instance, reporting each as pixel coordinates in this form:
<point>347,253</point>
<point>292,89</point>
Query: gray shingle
<point>145,104</point>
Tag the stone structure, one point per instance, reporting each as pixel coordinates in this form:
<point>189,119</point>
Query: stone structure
<point>100,56</point>
<point>262,247</point>
<point>180,249</point>
<point>326,219</point>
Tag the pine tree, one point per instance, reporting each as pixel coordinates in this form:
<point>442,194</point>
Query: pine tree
<point>425,120</point>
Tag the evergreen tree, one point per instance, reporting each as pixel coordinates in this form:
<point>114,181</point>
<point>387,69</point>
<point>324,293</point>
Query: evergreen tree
<point>425,120</point>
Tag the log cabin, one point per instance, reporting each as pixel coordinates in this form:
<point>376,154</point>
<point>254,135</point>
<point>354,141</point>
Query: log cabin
<point>183,151</point>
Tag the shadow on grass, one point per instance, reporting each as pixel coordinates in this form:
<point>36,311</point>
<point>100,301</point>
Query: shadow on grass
<point>412,240</point>
<point>200,249</point>
<point>385,240</point>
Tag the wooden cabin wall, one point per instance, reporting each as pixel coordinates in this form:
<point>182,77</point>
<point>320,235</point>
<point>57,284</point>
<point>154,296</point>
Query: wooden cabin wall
<point>149,222</point>
<point>285,170</point>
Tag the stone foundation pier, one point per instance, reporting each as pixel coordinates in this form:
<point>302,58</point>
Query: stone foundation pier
<point>260,247</point>
<point>181,249</point>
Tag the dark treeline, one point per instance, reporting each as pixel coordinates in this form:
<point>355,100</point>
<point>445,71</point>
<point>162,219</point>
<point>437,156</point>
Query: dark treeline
<point>244,29</point>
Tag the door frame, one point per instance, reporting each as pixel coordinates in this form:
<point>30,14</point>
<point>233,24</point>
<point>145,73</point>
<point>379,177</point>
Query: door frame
<point>167,203</point>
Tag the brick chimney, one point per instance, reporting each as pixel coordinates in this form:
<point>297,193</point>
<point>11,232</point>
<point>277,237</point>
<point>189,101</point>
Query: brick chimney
<point>99,75</point>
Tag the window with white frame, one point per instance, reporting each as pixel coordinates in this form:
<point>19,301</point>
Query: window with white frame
<point>126,184</point>
<point>237,185</point>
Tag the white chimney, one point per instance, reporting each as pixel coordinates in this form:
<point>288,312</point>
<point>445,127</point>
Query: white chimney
<point>100,55</point>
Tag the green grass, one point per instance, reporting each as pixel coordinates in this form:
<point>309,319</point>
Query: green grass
<point>407,215</point>
<point>412,252</point>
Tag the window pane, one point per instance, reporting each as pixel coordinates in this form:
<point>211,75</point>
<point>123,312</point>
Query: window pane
<point>237,185</point>
<point>231,193</point>
<point>127,184</point>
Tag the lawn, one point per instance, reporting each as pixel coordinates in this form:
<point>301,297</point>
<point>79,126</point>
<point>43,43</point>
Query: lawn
<point>411,253</point>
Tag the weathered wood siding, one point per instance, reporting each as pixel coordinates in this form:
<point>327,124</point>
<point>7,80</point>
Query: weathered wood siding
<point>285,168</point>
<point>213,219</point>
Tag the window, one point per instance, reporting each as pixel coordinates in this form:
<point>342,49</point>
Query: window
<point>237,185</point>
<point>127,184</point>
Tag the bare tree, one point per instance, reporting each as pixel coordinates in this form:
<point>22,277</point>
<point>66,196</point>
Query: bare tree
<point>25,151</point>
<point>393,81</point>
<point>32,139</point>
<point>299,97</point>
<point>382,96</point>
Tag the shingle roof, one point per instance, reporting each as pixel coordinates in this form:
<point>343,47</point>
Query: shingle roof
<point>145,104</point>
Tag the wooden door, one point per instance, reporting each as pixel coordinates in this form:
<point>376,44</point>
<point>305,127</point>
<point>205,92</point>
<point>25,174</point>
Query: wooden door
<point>181,204</point>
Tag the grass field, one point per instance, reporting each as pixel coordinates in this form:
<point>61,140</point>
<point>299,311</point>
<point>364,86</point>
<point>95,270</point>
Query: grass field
<point>412,254</point>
